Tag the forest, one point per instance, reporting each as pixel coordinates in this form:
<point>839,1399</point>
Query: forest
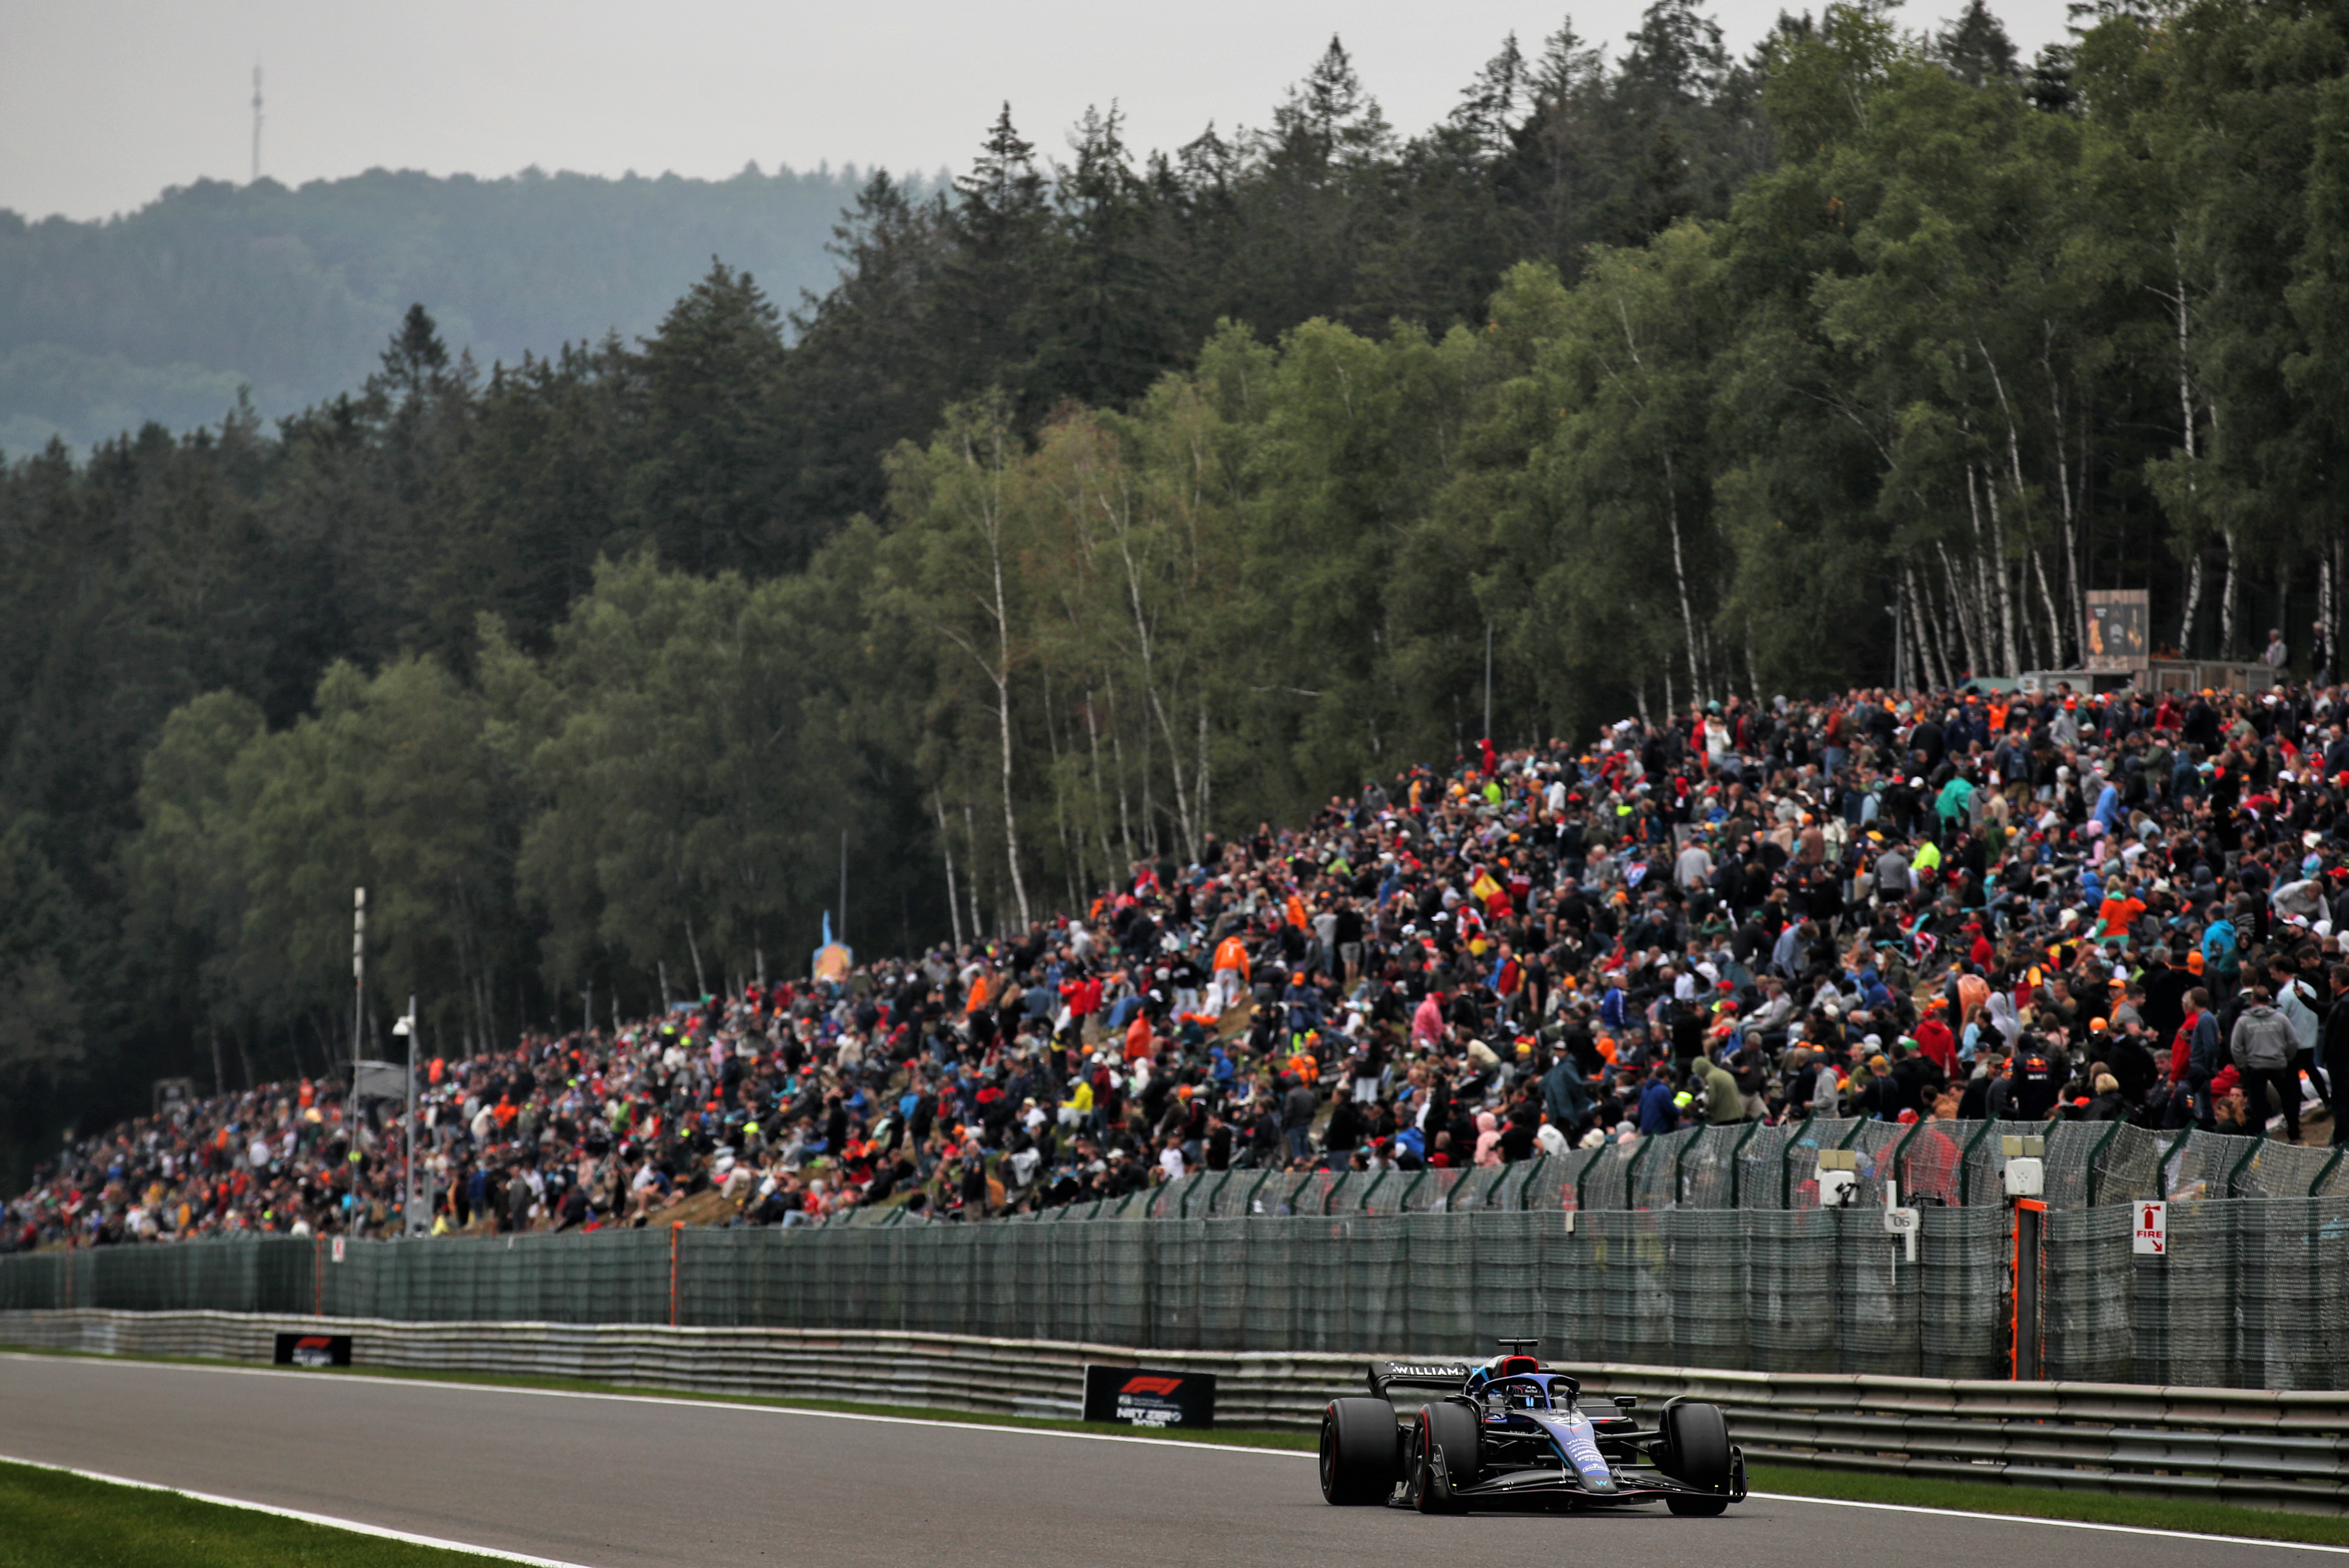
<point>285,294</point>
<point>1104,505</point>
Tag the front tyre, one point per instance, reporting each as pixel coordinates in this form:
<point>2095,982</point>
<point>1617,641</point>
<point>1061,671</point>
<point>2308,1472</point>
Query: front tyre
<point>1358,1451</point>
<point>1696,1450</point>
<point>1450,1433</point>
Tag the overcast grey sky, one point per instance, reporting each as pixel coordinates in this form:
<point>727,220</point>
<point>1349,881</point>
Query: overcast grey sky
<point>103,103</point>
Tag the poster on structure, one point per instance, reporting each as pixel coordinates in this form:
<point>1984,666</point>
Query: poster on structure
<point>2118,630</point>
<point>1142,1397</point>
<point>313,1350</point>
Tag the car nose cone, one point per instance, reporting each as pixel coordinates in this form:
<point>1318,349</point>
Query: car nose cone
<point>1579,1444</point>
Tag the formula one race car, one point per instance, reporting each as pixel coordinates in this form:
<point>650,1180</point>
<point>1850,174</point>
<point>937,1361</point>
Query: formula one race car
<point>1511,1433</point>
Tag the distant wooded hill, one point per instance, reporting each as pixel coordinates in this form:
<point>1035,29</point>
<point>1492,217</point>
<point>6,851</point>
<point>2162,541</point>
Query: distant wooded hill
<point>165,314</point>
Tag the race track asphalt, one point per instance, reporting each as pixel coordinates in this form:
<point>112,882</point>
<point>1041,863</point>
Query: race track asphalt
<point>614,1482</point>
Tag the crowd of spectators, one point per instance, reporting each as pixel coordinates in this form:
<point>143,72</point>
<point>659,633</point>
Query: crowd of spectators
<point>1977,904</point>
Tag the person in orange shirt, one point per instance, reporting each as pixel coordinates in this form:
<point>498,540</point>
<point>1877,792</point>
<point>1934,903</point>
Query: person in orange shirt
<point>1139,1044</point>
<point>1231,976</point>
<point>2119,911</point>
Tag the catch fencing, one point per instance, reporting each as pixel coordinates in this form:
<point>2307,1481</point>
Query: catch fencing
<point>2270,1449</point>
<point>2247,1295</point>
<point>1943,1164</point>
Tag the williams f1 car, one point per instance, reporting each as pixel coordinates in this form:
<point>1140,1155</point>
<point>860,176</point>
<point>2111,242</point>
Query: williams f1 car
<point>1513,1433</point>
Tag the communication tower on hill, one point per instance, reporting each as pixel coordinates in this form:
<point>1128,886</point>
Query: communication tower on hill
<point>256,119</point>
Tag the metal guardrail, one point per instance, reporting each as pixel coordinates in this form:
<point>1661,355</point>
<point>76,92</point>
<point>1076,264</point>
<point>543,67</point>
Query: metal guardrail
<point>2232,1445</point>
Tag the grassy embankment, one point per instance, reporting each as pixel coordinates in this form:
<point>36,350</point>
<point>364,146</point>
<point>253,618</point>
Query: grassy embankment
<point>60,1521</point>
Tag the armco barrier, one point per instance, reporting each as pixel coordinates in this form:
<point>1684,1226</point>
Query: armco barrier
<point>2273,1449</point>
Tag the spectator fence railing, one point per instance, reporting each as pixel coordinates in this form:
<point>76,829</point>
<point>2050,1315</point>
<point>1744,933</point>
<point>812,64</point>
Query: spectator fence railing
<point>2248,1293</point>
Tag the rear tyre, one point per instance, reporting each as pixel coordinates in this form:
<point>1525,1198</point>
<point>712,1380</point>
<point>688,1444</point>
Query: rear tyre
<point>1696,1450</point>
<point>1358,1451</point>
<point>1450,1431</point>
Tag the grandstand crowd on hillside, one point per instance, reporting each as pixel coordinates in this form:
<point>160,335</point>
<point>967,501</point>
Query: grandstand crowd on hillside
<point>1906,907</point>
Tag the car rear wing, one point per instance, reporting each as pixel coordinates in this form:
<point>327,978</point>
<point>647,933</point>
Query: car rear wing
<point>1448,1376</point>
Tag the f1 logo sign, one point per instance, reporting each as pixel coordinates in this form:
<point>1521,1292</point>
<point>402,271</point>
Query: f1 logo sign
<point>1150,1397</point>
<point>2151,1236</point>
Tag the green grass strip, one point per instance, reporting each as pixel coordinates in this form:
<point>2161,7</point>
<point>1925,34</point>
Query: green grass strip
<point>2135,1509</point>
<point>59,1521</point>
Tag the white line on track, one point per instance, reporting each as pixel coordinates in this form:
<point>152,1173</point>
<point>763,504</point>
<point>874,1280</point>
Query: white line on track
<point>2057,1523</point>
<point>1087,1436</point>
<point>354,1526</point>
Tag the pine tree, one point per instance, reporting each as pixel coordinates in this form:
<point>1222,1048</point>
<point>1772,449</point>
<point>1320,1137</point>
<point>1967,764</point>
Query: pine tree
<point>1448,232</point>
<point>1552,173</point>
<point>1487,110</point>
<point>709,488</point>
<point>1328,120</point>
<point>1108,333</point>
<point>1003,189</point>
<point>417,360</point>
<point>996,230</point>
<point>1975,48</point>
<point>1198,229</point>
<point>1667,143</point>
<point>1569,70</point>
<point>869,368</point>
<point>1676,56</point>
<point>2048,86</point>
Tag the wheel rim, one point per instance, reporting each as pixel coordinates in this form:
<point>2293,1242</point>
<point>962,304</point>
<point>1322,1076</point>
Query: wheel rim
<point>1329,1460</point>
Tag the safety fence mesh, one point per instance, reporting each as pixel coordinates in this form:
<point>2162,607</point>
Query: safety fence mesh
<point>244,1276</point>
<point>2241,1296</point>
<point>1811,1291</point>
<point>2246,1293</point>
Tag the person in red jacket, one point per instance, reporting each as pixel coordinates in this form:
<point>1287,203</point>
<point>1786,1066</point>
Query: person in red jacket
<point>1082,997</point>
<point>1933,1037</point>
<point>2181,1045</point>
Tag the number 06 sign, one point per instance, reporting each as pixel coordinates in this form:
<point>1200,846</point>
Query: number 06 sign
<point>2152,1233</point>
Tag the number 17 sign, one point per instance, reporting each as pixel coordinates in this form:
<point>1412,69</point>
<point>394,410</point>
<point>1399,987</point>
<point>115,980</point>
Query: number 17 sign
<point>2152,1234</point>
